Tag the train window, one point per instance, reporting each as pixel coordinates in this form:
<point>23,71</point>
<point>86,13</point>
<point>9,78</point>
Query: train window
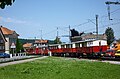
<point>56,47</point>
<point>90,43</point>
<point>62,46</point>
<point>77,45</point>
<point>84,44</point>
<point>51,47</point>
<point>68,46</point>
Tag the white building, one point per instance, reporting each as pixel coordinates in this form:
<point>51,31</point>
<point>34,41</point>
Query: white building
<point>11,37</point>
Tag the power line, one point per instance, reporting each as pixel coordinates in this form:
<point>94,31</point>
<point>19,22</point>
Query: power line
<point>50,32</point>
<point>89,20</point>
<point>108,3</point>
<point>103,26</point>
<point>63,29</point>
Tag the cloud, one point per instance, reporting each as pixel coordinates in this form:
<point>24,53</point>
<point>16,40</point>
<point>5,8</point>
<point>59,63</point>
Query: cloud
<point>12,20</point>
<point>8,20</point>
<point>0,18</point>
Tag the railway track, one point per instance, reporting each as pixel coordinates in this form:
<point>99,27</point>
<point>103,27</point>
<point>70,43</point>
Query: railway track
<point>104,60</point>
<point>110,58</point>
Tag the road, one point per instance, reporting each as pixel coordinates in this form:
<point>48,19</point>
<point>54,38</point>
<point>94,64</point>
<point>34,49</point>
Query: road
<point>21,61</point>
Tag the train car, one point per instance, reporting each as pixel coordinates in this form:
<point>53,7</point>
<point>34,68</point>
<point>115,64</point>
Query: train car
<point>55,49</point>
<point>43,50</point>
<point>88,48</point>
<point>29,51</point>
<point>79,48</point>
<point>38,50</point>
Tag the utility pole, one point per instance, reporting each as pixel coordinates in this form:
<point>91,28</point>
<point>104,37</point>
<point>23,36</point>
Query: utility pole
<point>41,34</point>
<point>57,38</point>
<point>96,26</point>
<point>69,33</point>
<point>108,3</point>
<point>41,43</point>
<point>109,17</point>
<point>57,32</point>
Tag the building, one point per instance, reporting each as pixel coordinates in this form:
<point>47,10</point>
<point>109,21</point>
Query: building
<point>11,37</point>
<point>41,43</point>
<point>27,47</point>
<point>37,47</point>
<point>88,36</point>
<point>2,42</point>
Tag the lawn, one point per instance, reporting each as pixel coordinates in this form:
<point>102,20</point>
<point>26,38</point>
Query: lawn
<point>60,68</point>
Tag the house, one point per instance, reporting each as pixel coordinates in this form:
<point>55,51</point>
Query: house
<point>11,37</point>
<point>88,36</point>
<point>27,46</point>
<point>2,42</point>
<point>41,43</point>
<point>37,47</point>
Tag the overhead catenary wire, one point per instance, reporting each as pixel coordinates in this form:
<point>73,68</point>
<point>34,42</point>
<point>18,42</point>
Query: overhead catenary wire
<point>87,22</point>
<point>103,26</point>
<point>99,22</point>
<point>91,20</point>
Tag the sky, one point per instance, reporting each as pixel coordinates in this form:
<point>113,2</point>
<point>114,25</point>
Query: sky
<point>41,18</point>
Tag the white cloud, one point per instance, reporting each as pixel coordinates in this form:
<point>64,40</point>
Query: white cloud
<point>0,18</point>
<point>8,20</point>
<point>12,20</point>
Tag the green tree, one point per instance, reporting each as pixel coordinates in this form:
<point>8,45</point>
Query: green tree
<point>19,46</point>
<point>74,33</point>
<point>110,35</point>
<point>3,3</point>
<point>57,41</point>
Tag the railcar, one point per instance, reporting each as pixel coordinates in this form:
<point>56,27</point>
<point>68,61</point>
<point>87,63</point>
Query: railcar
<point>89,48</point>
<point>38,50</point>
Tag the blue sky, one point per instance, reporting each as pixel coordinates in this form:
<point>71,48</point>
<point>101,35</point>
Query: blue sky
<point>29,17</point>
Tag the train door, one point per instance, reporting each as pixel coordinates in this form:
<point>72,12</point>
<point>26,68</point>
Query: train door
<point>78,47</point>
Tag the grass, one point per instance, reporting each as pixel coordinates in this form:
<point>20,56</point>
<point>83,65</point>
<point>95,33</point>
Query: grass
<point>60,68</point>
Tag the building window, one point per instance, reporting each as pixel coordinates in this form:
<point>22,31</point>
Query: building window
<point>1,41</point>
<point>1,47</point>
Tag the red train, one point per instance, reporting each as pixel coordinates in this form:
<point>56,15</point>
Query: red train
<point>89,48</point>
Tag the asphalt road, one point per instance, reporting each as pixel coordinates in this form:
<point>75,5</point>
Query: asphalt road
<point>20,61</point>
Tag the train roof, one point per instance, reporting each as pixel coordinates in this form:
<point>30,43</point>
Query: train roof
<point>89,40</point>
<point>76,42</point>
